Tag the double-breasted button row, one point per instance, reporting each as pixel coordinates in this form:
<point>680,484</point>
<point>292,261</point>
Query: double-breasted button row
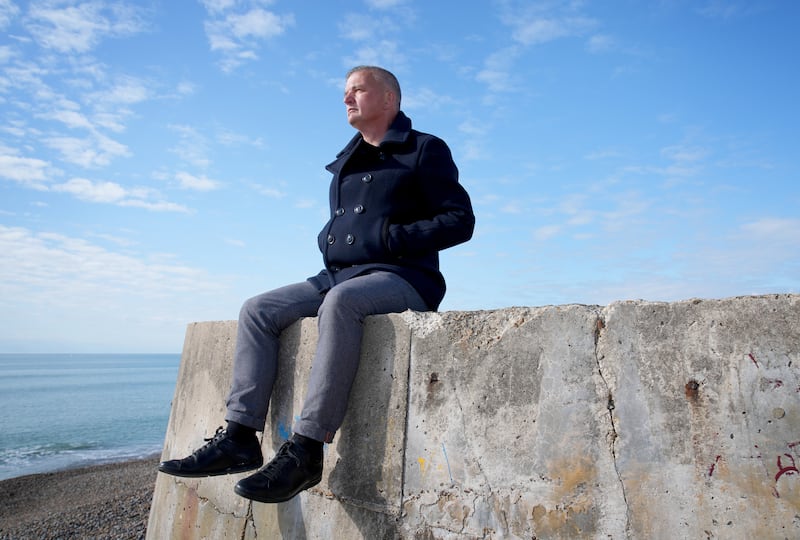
<point>358,209</point>
<point>350,239</point>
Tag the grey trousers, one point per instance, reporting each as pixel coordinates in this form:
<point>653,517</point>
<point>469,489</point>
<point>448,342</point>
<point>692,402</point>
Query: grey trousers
<point>341,312</point>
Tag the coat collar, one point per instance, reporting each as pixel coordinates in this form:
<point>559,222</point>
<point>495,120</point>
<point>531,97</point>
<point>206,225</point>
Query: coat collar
<point>398,133</point>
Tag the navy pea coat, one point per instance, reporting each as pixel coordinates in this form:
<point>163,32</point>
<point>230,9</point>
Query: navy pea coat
<point>393,208</point>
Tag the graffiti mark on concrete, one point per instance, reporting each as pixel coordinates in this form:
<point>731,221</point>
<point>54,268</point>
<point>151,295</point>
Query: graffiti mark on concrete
<point>450,474</point>
<point>786,469</point>
<point>713,466</point>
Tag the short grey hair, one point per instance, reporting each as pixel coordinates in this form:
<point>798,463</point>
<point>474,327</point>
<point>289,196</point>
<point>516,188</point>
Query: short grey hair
<point>383,76</point>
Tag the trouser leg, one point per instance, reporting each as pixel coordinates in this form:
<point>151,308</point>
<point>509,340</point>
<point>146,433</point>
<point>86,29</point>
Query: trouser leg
<point>261,321</point>
<point>336,360</point>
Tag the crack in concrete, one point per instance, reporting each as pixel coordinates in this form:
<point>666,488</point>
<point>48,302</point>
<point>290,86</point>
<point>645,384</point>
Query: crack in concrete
<point>600,325</point>
<point>407,427</point>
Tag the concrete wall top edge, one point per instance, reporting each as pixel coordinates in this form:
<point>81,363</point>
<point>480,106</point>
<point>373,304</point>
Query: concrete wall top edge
<point>792,297</point>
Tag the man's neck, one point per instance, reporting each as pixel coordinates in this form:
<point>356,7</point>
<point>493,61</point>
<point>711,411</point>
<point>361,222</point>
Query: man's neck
<point>373,137</point>
<point>375,133</point>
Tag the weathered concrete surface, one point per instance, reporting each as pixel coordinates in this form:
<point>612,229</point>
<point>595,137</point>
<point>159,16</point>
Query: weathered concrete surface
<point>707,415</point>
<point>637,420</point>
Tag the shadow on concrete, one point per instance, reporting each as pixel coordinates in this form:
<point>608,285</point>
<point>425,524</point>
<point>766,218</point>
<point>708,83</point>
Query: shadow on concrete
<point>290,513</point>
<point>357,479</point>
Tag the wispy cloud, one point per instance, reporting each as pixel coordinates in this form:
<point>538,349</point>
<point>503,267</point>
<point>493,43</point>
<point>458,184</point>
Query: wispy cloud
<point>113,193</point>
<point>90,152</point>
<point>237,33</point>
<point>80,26</point>
<point>67,284</point>
<point>8,10</point>
<point>383,52</point>
<point>196,183</point>
<point>532,24</point>
<point>31,172</point>
<point>730,9</point>
<point>192,146</point>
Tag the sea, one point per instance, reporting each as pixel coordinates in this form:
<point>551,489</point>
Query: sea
<point>64,411</point>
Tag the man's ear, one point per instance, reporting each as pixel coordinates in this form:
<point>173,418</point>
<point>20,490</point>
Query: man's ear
<point>388,99</point>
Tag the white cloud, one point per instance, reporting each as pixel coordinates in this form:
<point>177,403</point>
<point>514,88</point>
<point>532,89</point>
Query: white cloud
<point>470,127</point>
<point>113,193</point>
<point>80,27</point>
<point>600,43</point>
<point>69,284</point>
<point>72,119</point>
<point>237,36</point>
<point>94,151</point>
<point>546,232</point>
<point>384,4</point>
<point>126,90</point>
<point>379,53</point>
<point>192,147</point>
<point>230,138</point>
<point>270,192</point>
<point>774,230</point>
<point>542,22</point>
<point>8,10</point>
<point>425,98</point>
<point>101,192</point>
<point>496,72</point>
<point>358,27</point>
<point>728,9</point>
<point>685,153</point>
<point>28,171</point>
<point>197,183</point>
<point>531,24</point>
<point>6,54</point>
<point>218,6</point>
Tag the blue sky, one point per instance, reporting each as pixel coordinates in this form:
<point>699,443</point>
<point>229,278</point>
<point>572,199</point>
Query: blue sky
<point>161,161</point>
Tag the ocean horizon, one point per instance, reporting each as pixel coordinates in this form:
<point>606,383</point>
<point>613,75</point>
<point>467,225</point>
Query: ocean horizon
<point>65,411</point>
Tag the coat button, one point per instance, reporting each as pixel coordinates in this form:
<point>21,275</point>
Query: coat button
<point>367,178</point>
<point>335,268</point>
<point>331,239</point>
<point>340,211</point>
<point>350,239</point>
<point>358,209</point>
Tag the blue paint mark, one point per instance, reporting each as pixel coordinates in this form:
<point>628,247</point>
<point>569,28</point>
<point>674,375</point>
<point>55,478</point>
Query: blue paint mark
<point>283,431</point>
<point>450,474</point>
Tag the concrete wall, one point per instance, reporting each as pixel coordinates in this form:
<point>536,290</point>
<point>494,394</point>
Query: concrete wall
<point>638,420</point>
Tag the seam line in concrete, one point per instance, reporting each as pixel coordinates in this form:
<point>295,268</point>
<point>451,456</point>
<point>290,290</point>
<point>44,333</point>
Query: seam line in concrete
<point>406,426</point>
<point>599,326</point>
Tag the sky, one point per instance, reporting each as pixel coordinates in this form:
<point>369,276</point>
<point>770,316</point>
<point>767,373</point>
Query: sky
<point>161,161</point>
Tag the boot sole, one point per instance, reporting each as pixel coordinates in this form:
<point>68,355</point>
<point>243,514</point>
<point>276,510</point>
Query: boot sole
<point>264,498</point>
<point>206,474</point>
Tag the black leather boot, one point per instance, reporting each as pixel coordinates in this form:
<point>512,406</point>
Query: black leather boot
<point>220,455</point>
<point>294,468</point>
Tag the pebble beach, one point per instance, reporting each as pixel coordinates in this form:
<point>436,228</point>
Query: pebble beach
<point>110,501</point>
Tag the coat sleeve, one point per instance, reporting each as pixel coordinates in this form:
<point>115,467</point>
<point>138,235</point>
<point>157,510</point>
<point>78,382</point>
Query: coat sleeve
<point>446,212</point>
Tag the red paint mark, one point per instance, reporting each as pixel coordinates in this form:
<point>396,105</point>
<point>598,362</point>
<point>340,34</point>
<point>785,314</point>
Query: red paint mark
<point>713,465</point>
<point>776,383</point>
<point>753,358</point>
<point>775,493</point>
<point>793,444</point>
<point>788,469</point>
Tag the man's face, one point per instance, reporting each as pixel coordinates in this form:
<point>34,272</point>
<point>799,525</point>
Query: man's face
<point>366,99</point>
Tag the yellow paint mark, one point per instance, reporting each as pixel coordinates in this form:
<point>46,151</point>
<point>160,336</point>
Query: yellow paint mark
<point>421,462</point>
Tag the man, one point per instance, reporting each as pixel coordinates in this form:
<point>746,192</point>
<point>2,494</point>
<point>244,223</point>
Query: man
<point>395,203</point>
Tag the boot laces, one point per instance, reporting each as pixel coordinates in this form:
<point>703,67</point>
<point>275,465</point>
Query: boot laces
<point>284,454</point>
<point>211,441</point>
